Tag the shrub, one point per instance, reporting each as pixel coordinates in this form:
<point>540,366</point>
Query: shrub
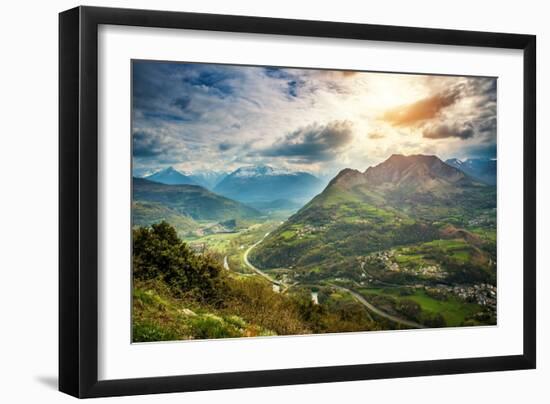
<point>148,331</point>
<point>409,308</point>
<point>210,326</point>
<point>434,320</point>
<point>255,301</point>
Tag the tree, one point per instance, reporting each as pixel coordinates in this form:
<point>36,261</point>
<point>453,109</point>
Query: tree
<point>158,253</point>
<point>434,320</point>
<point>409,308</point>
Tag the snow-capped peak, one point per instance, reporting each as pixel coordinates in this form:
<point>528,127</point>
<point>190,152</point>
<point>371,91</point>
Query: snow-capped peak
<point>455,161</point>
<point>256,171</point>
<point>167,171</point>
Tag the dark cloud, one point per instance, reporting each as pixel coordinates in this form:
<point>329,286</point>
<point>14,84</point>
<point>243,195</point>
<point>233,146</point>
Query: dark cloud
<point>147,144</point>
<point>277,73</point>
<point>422,110</point>
<point>164,116</point>
<point>156,95</point>
<point>488,126</point>
<point>437,118</point>
<point>293,82</point>
<point>224,146</point>
<point>164,92</point>
<point>459,130</point>
<point>293,88</point>
<point>486,121</point>
<point>215,79</point>
<point>314,142</point>
<point>182,102</point>
<point>484,87</point>
<point>300,82</point>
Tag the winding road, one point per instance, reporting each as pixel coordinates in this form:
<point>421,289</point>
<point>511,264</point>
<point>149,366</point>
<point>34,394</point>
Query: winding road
<point>356,295</point>
<point>376,310</point>
<point>258,271</point>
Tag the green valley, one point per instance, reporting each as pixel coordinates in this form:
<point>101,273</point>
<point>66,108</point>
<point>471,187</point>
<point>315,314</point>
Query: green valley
<point>410,243</point>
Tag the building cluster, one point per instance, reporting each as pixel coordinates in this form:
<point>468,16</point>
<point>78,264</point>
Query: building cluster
<point>308,229</point>
<point>384,256</point>
<point>481,220</point>
<point>429,271</point>
<point>387,258</point>
<point>483,294</point>
<point>477,221</point>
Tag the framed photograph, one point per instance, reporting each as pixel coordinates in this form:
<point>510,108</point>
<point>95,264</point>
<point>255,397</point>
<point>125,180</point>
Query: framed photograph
<point>251,201</point>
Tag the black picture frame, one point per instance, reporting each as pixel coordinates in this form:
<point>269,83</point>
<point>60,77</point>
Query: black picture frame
<point>78,201</point>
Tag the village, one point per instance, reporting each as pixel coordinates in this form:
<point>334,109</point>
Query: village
<point>387,258</point>
<point>483,294</point>
<point>308,229</point>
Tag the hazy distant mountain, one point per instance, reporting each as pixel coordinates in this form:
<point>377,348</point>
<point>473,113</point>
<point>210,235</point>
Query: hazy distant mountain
<point>171,176</point>
<point>208,179</point>
<point>482,169</point>
<point>404,200</point>
<point>261,184</point>
<point>190,200</point>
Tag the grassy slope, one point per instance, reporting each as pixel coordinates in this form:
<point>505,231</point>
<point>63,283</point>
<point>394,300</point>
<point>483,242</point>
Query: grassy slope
<point>335,227</point>
<point>250,309</point>
<point>190,200</point>
<point>146,213</point>
<point>338,226</point>
<point>453,310</point>
<point>157,316</point>
<point>421,254</point>
<point>236,244</point>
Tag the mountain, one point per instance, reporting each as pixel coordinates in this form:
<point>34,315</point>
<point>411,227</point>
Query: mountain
<point>417,173</point>
<point>419,185</point>
<point>482,169</point>
<point>146,213</point>
<point>193,201</point>
<point>208,179</point>
<point>171,176</point>
<point>264,184</point>
<point>405,200</point>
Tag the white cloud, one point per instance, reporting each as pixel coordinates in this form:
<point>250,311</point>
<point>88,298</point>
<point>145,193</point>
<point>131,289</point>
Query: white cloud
<point>222,117</point>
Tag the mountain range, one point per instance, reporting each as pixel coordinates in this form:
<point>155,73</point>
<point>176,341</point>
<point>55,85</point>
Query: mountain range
<point>192,201</point>
<point>265,186</point>
<point>404,200</point>
<point>482,169</point>
<point>208,178</point>
<point>186,199</point>
<point>171,176</point>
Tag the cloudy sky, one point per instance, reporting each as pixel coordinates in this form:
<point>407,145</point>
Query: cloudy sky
<point>214,117</point>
